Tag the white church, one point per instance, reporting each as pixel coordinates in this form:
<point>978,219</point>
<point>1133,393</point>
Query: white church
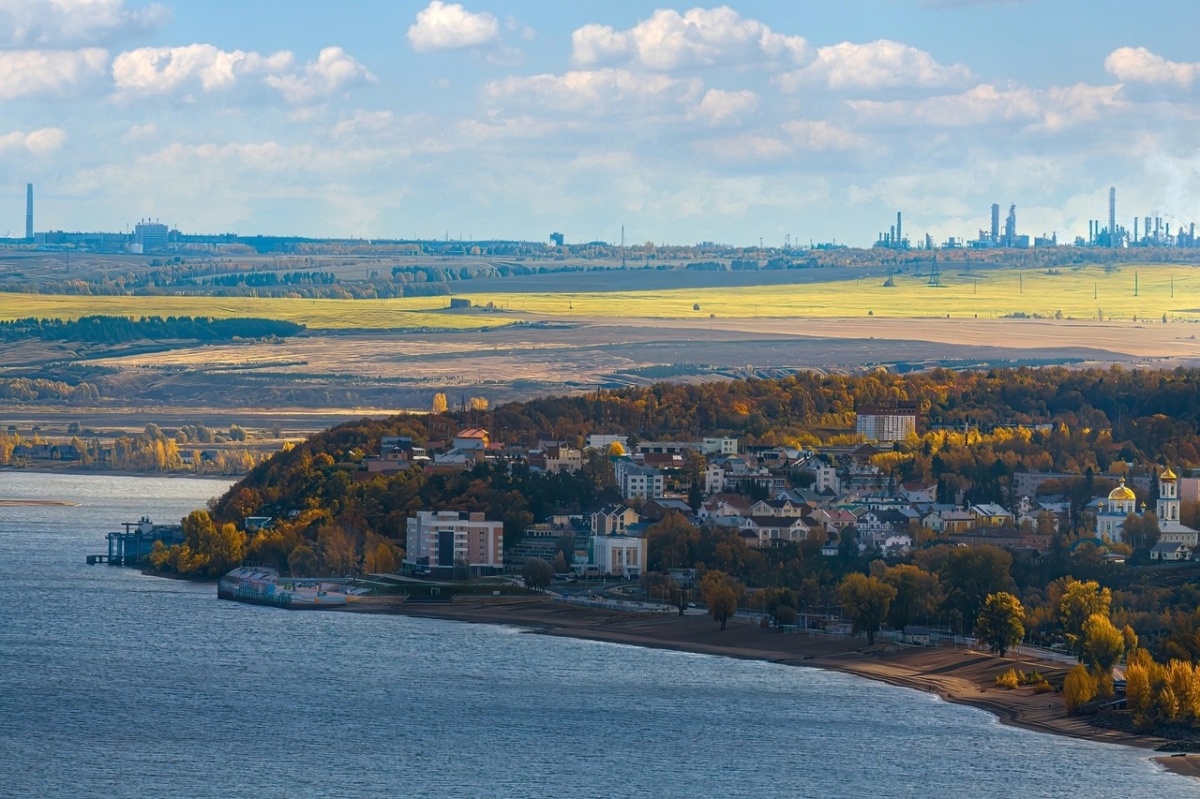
<point>1122,502</point>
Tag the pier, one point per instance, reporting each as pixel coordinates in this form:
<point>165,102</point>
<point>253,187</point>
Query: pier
<point>135,543</point>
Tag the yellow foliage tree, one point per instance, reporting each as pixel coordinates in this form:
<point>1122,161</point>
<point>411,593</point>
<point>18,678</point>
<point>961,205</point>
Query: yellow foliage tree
<point>439,403</point>
<point>1079,688</point>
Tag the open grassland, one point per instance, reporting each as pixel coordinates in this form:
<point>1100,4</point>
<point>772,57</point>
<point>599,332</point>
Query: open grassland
<point>1132,292</point>
<point>399,314</point>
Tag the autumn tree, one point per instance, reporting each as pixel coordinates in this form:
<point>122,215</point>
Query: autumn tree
<point>1001,623</point>
<point>439,403</point>
<point>721,594</point>
<point>918,594</point>
<point>1079,688</point>
<point>302,561</point>
<point>866,600</point>
<point>1080,601</point>
<point>1101,649</point>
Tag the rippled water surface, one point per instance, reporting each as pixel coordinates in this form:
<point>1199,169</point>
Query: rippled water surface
<point>114,684</point>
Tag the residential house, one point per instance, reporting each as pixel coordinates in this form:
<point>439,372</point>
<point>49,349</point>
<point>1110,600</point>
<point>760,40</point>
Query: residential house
<point>919,493</point>
<point>472,438</point>
<point>990,515</point>
<point>614,520</point>
<point>553,457</point>
<point>1170,550</point>
<point>775,530</point>
<point>656,509</point>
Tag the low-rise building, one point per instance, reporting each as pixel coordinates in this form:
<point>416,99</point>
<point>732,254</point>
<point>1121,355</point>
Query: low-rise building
<point>618,555</point>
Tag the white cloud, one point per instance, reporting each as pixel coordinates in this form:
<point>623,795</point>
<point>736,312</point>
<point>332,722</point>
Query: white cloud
<point>160,70</point>
<point>718,107</point>
<point>1055,108</point>
<point>68,23</point>
<point>29,72</point>
<point>819,134</point>
<point>597,92</point>
<point>1139,65</point>
<point>449,26</point>
<point>165,70</point>
<point>699,37</point>
<point>38,142</point>
<point>333,71</point>
<point>874,65</point>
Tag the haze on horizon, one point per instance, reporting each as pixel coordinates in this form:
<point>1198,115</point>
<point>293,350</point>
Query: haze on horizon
<point>509,119</point>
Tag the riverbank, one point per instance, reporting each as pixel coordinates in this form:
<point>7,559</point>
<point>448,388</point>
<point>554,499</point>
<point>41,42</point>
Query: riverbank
<point>956,675</point>
<point>58,468</point>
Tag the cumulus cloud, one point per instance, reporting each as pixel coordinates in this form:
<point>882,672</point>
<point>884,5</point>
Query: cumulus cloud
<point>449,26</point>
<point>597,92</point>
<point>718,107</point>
<point>165,70</point>
<point>1055,108</point>
<point>38,142</point>
<point>333,71</point>
<point>699,37</point>
<point>874,65</point>
<point>29,72</point>
<point>1139,65</point>
<point>69,23</point>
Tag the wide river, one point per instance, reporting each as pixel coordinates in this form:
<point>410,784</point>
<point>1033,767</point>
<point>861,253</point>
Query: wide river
<point>115,684</point>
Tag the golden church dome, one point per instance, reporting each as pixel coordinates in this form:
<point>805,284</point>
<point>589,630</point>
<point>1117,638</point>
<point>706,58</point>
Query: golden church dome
<point>1168,475</point>
<point>1121,493</point>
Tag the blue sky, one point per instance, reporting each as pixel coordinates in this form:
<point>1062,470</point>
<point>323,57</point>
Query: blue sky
<point>683,123</point>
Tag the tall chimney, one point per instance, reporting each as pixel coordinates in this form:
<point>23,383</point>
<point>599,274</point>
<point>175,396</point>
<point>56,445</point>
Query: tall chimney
<point>29,211</point>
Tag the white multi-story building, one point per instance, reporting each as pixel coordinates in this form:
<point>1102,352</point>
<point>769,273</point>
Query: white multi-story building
<point>636,481</point>
<point>437,540</point>
<point>887,424</point>
<point>720,446</point>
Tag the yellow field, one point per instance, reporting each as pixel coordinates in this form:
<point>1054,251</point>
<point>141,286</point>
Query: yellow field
<point>1080,294</point>
<point>1085,293</point>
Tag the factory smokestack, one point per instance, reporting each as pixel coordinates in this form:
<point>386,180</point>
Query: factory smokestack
<point>29,211</point>
<point>1112,216</point>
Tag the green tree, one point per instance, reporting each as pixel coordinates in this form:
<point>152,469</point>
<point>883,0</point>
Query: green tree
<point>1001,623</point>
<point>721,593</point>
<point>537,573</point>
<point>866,600</point>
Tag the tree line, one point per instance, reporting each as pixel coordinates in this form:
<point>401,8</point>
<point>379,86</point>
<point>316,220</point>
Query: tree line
<point>122,329</point>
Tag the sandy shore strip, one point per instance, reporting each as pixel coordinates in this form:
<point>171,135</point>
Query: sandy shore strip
<point>957,675</point>
<point>25,503</point>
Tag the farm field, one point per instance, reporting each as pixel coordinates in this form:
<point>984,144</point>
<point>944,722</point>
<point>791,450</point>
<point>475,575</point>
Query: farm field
<point>1133,293</point>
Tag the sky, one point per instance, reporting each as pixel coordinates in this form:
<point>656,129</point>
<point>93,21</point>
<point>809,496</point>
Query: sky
<point>808,120</point>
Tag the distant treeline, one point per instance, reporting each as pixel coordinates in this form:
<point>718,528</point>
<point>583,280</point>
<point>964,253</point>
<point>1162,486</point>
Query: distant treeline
<point>119,329</point>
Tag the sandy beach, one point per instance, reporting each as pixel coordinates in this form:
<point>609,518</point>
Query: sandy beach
<point>957,675</point>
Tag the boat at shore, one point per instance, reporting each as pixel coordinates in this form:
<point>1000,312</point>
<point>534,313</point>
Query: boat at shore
<point>261,585</point>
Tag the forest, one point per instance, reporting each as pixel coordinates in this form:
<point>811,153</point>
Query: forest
<point>121,329</point>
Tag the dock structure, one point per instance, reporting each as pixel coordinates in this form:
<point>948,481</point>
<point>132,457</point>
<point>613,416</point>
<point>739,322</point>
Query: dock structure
<point>135,543</point>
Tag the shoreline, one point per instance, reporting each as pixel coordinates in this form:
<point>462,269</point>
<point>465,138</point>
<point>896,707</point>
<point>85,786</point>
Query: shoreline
<point>73,471</point>
<point>955,675</point>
